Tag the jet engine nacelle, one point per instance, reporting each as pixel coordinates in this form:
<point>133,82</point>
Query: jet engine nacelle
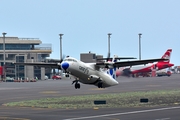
<point>93,77</point>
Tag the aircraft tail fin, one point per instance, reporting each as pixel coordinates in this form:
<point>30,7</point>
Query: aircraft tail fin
<point>167,55</point>
<point>112,71</point>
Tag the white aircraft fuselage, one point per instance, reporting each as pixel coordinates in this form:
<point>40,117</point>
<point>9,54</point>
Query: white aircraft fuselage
<point>87,73</point>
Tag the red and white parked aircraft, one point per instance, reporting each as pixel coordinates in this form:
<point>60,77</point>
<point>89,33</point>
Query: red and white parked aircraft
<point>142,69</point>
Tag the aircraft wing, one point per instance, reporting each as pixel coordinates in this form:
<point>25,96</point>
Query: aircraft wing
<point>47,65</point>
<point>118,58</point>
<point>127,63</point>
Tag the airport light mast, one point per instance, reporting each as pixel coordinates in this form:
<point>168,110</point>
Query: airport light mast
<point>109,36</point>
<point>4,56</point>
<point>140,45</point>
<point>61,46</point>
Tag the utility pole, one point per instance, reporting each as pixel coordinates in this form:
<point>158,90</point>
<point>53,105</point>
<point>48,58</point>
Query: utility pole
<point>109,36</point>
<point>139,46</point>
<point>4,56</point>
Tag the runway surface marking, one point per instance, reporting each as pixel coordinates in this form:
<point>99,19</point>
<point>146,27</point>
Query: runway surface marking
<point>11,88</point>
<point>153,85</point>
<point>49,92</point>
<point>11,118</point>
<point>125,113</point>
<point>163,119</point>
<point>98,89</point>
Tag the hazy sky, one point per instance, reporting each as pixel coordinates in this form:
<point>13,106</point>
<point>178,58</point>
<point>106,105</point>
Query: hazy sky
<point>85,24</point>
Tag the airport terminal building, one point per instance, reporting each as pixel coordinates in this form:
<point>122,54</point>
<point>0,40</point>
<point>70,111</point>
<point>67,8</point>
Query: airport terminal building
<point>24,50</point>
<point>90,57</point>
<point>29,50</point>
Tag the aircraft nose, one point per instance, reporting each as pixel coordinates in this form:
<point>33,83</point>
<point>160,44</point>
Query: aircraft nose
<point>65,65</point>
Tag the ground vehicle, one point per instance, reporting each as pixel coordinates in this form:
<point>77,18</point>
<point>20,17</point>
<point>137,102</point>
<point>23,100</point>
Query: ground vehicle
<point>56,77</point>
<point>159,74</point>
<point>45,77</point>
<point>9,79</point>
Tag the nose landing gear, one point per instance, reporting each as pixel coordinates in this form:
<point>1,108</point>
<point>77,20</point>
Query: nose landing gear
<point>67,75</point>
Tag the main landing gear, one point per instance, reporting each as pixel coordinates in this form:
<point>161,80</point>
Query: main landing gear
<point>76,85</point>
<point>100,84</point>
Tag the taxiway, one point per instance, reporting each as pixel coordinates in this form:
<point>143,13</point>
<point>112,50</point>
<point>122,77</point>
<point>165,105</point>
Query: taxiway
<point>11,92</point>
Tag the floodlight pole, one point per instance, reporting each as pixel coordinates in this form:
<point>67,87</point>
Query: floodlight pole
<point>61,46</point>
<point>109,36</point>
<point>140,45</point>
<point>4,56</point>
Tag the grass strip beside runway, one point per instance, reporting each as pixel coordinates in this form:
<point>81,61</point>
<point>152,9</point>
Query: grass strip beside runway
<point>127,99</point>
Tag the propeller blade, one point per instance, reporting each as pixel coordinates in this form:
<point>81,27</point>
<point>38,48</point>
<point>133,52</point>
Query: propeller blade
<point>62,58</point>
<point>108,57</point>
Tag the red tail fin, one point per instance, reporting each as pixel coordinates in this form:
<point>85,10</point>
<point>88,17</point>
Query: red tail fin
<point>167,55</point>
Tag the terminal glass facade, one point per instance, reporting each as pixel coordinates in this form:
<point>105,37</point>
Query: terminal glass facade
<point>19,68</point>
<point>16,47</point>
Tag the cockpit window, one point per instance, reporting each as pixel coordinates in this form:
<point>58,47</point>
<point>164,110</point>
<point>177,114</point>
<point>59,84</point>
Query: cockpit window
<point>65,60</point>
<point>70,60</point>
<point>74,60</point>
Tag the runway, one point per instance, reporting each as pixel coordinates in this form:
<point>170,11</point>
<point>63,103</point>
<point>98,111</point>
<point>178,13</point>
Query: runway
<point>11,92</point>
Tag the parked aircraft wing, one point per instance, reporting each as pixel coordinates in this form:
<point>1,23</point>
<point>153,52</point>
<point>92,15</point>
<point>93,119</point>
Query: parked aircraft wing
<point>49,65</point>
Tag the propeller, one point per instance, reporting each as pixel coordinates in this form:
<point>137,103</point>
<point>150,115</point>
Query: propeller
<point>108,57</point>
<point>62,58</point>
<point>59,61</point>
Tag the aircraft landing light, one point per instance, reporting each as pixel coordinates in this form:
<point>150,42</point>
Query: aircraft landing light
<point>49,92</point>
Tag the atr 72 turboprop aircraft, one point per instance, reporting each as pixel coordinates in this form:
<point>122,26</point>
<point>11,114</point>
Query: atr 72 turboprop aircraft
<point>148,67</point>
<point>91,73</point>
